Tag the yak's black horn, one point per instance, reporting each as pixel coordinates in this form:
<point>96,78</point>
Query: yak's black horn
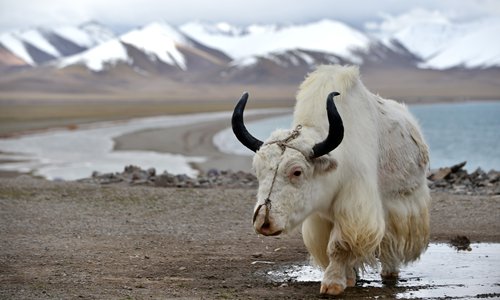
<point>239,128</point>
<point>335,131</point>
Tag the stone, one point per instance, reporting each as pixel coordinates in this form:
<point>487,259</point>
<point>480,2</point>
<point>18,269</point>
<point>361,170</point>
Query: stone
<point>151,172</point>
<point>442,173</point>
<point>452,179</point>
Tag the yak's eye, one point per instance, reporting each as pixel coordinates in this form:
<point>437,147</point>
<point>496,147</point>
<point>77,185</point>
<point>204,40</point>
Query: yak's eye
<point>295,172</point>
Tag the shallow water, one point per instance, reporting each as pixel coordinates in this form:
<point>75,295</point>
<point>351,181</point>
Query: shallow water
<point>454,131</point>
<point>74,154</point>
<point>442,272</point>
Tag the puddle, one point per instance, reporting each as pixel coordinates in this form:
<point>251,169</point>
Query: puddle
<point>442,272</point>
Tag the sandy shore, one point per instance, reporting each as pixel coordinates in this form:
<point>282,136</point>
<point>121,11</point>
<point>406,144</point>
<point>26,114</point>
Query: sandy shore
<point>191,140</point>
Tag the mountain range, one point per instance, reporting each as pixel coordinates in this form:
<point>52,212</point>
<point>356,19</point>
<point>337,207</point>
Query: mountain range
<point>262,54</point>
<point>37,46</point>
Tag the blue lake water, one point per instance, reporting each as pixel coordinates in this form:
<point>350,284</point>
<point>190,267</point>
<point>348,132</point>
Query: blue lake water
<point>455,132</point>
<point>463,131</point>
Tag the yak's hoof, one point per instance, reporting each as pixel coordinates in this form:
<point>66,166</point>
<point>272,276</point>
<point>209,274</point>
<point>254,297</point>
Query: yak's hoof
<point>389,275</point>
<point>332,289</point>
<point>351,282</point>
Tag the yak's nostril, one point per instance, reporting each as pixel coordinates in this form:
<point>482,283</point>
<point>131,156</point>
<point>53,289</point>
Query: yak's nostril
<point>256,213</point>
<point>266,225</point>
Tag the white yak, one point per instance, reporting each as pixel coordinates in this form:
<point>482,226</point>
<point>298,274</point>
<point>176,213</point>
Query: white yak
<point>352,174</point>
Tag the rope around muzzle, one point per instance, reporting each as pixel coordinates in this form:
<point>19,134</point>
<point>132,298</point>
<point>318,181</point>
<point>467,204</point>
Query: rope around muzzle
<point>283,144</point>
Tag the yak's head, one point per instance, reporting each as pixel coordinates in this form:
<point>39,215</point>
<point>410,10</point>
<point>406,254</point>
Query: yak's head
<point>291,166</point>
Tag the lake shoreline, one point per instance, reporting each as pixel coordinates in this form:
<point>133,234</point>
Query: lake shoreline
<point>196,140</point>
<point>192,140</point>
<point>27,117</point>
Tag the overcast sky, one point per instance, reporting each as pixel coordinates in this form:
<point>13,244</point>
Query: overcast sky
<point>122,15</point>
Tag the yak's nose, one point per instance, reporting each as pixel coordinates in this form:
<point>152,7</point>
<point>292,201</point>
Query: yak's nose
<point>264,224</point>
<point>268,230</point>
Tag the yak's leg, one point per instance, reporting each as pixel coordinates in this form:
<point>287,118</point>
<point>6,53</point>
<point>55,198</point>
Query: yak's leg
<point>335,277</point>
<point>316,234</point>
<point>351,276</point>
<point>389,255</point>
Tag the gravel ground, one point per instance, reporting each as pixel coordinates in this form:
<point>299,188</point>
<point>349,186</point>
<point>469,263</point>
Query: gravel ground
<point>84,240</point>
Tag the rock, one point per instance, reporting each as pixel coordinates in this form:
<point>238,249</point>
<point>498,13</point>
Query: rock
<point>496,190</point>
<point>461,243</point>
<point>452,179</point>
<point>182,177</point>
<point>151,172</point>
<point>165,180</point>
<point>493,176</point>
<point>213,173</point>
<point>442,173</point>
<point>441,183</point>
<point>457,181</point>
<point>458,167</point>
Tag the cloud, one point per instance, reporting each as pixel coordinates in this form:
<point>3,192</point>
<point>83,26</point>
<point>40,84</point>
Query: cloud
<point>392,23</point>
<point>131,13</point>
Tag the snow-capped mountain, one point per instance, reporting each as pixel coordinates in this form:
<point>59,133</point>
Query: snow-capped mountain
<point>418,39</point>
<point>39,45</point>
<point>285,53</point>
<point>477,47</point>
<point>156,43</point>
<point>159,41</point>
<point>8,59</point>
<point>259,41</point>
<point>441,43</point>
<point>223,43</point>
<point>97,58</point>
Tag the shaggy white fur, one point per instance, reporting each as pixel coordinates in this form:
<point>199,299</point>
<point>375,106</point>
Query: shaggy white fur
<point>366,199</point>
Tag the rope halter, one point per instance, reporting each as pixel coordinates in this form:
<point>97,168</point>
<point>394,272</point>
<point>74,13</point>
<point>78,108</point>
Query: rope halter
<point>283,144</point>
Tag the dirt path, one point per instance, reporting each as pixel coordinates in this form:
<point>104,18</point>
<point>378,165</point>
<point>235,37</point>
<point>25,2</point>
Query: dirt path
<point>73,240</point>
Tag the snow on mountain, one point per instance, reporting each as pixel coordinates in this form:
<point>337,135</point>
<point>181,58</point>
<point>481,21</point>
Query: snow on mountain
<point>441,43</point>
<point>427,39</point>
<point>159,40</point>
<point>86,35</point>
<point>221,28</point>
<point>257,40</point>
<point>39,45</point>
<point>30,45</point>
<point>7,59</point>
<point>477,47</point>
<point>99,57</point>
<point>37,39</point>
<point>422,32</point>
<point>15,45</point>
<point>287,59</point>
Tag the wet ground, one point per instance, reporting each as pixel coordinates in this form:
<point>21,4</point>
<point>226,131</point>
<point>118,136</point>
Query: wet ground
<point>442,272</point>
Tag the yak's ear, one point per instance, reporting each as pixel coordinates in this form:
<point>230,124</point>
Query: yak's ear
<point>324,164</point>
